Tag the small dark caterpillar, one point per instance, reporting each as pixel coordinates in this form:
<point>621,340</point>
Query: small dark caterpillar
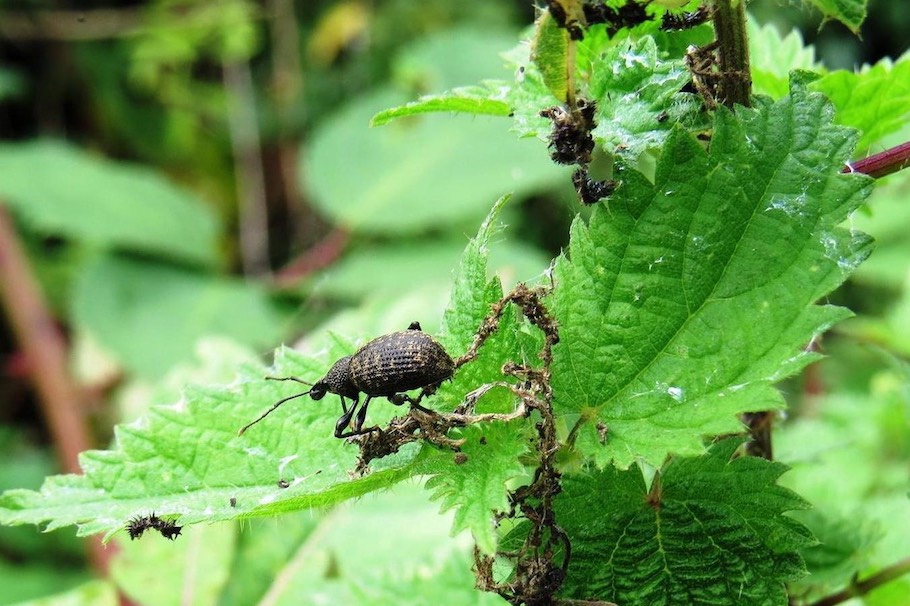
<point>138,525</point>
<point>169,530</point>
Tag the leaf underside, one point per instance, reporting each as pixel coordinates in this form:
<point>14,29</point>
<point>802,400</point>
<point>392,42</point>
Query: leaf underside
<point>713,532</point>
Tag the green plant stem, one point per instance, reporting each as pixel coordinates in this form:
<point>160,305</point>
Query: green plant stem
<point>860,588</point>
<point>733,52</point>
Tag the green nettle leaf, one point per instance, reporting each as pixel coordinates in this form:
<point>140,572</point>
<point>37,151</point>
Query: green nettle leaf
<point>477,486</point>
<point>478,100</point>
<point>682,301</point>
<point>168,309</point>
<point>712,531</point>
<point>772,57</point>
<point>451,582</point>
<point>187,461</point>
<point>549,52</point>
<point>418,173</point>
<point>851,13</point>
<point>638,97</point>
<point>875,100</point>
<point>103,202</point>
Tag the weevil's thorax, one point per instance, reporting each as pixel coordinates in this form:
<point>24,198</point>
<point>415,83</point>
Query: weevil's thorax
<point>338,379</point>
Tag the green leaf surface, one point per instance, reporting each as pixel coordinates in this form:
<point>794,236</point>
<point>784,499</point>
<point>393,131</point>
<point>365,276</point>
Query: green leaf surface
<point>187,461</point>
<point>94,592</point>
<point>637,89</point>
<point>851,13</point>
<point>876,100</point>
<point>60,190</point>
<point>638,97</point>
<point>549,53</point>
<point>683,301</point>
<point>477,487</point>
<point>395,268</point>
<point>714,530</point>
<point>415,174</point>
<point>772,57</point>
<point>477,100</point>
<point>150,315</point>
<point>348,555</point>
<point>849,459</point>
<point>473,293</point>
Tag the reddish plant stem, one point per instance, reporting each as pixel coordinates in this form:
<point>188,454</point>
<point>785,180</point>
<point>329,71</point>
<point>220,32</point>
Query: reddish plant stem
<point>883,163</point>
<point>861,588</point>
<point>323,254</point>
<point>42,347</point>
<point>45,353</point>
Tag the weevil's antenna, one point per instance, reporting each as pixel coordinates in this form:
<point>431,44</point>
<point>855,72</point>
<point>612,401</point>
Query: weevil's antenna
<point>278,403</point>
<point>289,379</point>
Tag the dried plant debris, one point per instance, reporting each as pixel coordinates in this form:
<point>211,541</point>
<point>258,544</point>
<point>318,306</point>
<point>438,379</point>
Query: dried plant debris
<point>571,141</point>
<point>540,562</point>
<point>591,191</point>
<point>706,77</point>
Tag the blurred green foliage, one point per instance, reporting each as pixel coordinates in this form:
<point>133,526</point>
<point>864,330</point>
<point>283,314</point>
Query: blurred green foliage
<point>132,227</point>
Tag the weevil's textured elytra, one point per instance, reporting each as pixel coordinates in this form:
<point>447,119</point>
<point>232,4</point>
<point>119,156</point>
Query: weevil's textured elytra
<point>386,367</point>
<point>397,362</point>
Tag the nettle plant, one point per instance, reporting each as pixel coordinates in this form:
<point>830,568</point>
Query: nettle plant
<point>606,433</point>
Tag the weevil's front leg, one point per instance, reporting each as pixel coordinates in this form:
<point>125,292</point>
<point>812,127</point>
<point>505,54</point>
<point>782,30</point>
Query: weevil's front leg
<point>345,419</point>
<point>358,429</point>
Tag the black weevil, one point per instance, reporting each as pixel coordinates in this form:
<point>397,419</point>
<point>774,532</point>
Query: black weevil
<point>386,367</point>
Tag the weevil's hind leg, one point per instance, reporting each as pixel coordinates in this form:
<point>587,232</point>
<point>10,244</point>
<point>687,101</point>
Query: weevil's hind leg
<point>402,398</point>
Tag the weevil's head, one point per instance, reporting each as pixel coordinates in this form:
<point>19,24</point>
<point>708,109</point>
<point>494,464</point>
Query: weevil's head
<point>337,381</point>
